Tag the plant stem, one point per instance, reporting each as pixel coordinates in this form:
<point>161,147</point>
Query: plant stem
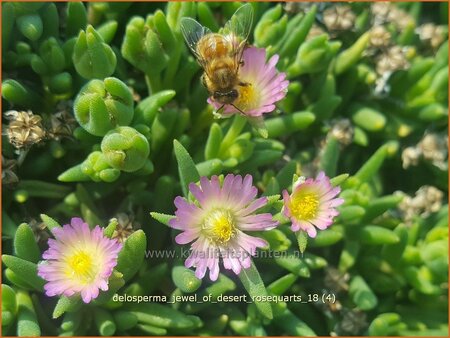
<point>153,83</point>
<point>234,131</point>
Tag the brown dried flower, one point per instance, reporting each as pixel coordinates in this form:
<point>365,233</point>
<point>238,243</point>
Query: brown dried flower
<point>41,234</point>
<point>352,323</point>
<point>385,12</point>
<point>391,60</point>
<point>400,18</point>
<point>342,130</point>
<point>379,37</point>
<point>335,280</point>
<point>338,18</point>
<point>380,10</point>
<point>432,34</point>
<point>25,128</point>
<point>434,148</point>
<point>427,199</point>
<point>62,122</point>
<point>410,157</point>
<point>125,227</point>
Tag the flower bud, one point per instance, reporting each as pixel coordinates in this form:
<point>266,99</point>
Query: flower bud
<point>92,57</point>
<point>103,105</point>
<point>125,149</point>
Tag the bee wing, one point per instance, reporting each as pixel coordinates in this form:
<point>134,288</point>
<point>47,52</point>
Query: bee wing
<point>240,23</point>
<point>192,32</point>
<point>237,30</point>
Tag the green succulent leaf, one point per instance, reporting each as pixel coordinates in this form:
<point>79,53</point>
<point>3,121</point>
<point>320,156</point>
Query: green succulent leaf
<point>132,254</point>
<point>254,285</point>
<point>25,245</point>
<point>25,270</point>
<point>186,167</point>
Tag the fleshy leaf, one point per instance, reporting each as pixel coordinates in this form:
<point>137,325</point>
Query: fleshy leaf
<point>254,285</point>
<point>186,167</point>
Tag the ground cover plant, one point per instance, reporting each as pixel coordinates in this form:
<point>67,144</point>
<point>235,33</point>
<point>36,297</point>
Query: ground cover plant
<point>267,169</point>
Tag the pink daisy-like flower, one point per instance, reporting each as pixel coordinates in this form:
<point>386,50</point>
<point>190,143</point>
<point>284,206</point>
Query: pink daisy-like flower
<point>78,261</point>
<point>217,221</point>
<point>264,85</point>
<point>312,204</point>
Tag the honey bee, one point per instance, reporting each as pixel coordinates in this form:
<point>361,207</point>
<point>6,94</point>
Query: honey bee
<point>220,54</point>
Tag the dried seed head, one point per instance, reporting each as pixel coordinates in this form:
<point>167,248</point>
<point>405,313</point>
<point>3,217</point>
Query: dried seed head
<point>380,10</point>
<point>434,148</point>
<point>427,200</point>
<point>39,230</point>
<point>339,18</point>
<point>62,122</point>
<point>385,12</point>
<point>379,37</point>
<point>24,129</point>
<point>353,322</point>
<point>342,130</point>
<point>410,157</point>
<point>335,280</point>
<point>400,18</point>
<point>125,227</point>
<point>294,7</point>
<point>393,59</point>
<point>430,198</point>
<point>431,34</point>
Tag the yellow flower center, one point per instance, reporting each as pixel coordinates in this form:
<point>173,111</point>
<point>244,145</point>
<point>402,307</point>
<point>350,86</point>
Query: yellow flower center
<point>220,226</point>
<point>81,266</point>
<point>248,98</point>
<point>304,206</point>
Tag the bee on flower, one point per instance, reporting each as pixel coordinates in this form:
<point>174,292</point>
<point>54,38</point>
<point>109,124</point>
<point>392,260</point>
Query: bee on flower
<point>237,76</point>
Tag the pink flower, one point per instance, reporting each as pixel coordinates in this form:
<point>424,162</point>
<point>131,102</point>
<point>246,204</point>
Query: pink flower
<point>216,222</point>
<point>312,204</point>
<point>78,261</point>
<point>264,85</point>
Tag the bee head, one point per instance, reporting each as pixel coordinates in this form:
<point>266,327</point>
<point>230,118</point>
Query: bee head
<point>226,97</point>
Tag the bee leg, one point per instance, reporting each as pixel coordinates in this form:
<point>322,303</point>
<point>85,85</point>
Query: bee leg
<point>238,109</point>
<point>244,84</point>
<point>202,78</point>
